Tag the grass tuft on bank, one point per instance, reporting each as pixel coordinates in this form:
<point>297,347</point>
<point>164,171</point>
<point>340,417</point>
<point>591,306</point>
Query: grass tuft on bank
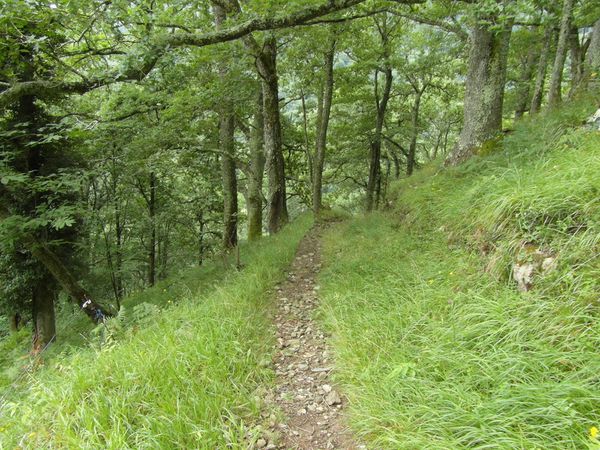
<point>178,368</point>
<point>436,347</point>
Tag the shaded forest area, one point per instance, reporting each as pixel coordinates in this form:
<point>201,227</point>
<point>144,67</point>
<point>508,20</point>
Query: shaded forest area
<point>130,129</point>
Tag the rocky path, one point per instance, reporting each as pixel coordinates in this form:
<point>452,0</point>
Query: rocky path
<point>311,404</point>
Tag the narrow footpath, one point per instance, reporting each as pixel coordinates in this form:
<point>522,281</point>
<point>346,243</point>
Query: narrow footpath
<point>312,405</point>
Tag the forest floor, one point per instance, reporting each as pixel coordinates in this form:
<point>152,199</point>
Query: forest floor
<point>304,392</point>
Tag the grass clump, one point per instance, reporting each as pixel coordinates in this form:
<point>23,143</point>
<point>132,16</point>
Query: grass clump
<point>436,347</point>
<point>185,377</point>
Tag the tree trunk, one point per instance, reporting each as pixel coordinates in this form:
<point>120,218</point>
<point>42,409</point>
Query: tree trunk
<point>540,78</point>
<point>592,63</point>
<point>396,161</point>
<point>163,253</point>
<point>554,89</point>
<point>309,156</point>
<point>484,95</point>
<point>152,216</point>
<point>322,126</point>
<point>14,322</point>
<point>374,181</point>
<point>414,132</point>
<point>229,179</point>
<point>26,113</point>
<point>267,66</point>
<point>257,170</point>
<point>200,218</point>
<point>119,293</point>
<point>227,151</point>
<point>524,86</point>
<point>44,320</point>
<point>576,56</point>
<point>65,278</point>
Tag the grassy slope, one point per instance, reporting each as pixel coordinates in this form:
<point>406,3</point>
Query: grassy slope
<point>436,347</point>
<point>184,378</point>
<point>74,329</point>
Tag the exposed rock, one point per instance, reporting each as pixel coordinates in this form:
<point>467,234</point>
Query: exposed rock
<point>593,121</point>
<point>261,443</point>
<point>333,398</point>
<point>523,275</point>
<point>533,261</point>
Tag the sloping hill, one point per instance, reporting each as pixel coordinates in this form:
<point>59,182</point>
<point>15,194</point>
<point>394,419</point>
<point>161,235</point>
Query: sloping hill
<point>437,348</point>
<point>184,373</point>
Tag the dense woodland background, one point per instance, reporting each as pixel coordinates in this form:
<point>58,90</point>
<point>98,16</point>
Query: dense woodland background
<point>127,137</point>
<point>141,138</point>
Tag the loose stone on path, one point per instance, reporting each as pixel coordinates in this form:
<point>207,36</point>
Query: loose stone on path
<point>304,393</point>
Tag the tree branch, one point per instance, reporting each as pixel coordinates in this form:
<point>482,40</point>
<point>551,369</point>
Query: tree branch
<point>451,27</point>
<point>164,43</point>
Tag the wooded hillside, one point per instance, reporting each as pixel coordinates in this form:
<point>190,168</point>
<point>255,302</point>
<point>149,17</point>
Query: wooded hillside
<point>148,148</point>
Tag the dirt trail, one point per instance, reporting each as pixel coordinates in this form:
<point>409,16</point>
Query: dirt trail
<point>312,405</point>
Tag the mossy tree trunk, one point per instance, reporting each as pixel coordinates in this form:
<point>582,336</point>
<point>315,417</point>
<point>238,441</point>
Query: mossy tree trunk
<point>44,320</point>
<point>14,322</point>
<point>555,87</point>
<point>65,278</point>
<point>484,95</point>
<point>414,132</point>
<point>528,65</point>
<point>542,68</point>
<point>592,61</point>
<point>374,181</point>
<point>576,55</point>
<point>277,197</point>
<point>227,149</point>
<point>256,172</point>
<point>381,100</point>
<point>323,115</point>
<point>152,217</point>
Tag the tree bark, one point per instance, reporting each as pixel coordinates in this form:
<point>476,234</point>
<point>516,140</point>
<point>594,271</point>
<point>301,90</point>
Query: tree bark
<point>307,150</point>
<point>524,86</point>
<point>374,181</point>
<point>152,217</point>
<point>65,278</point>
<point>277,199</point>
<point>201,223</point>
<point>576,56</point>
<point>44,320</point>
<point>322,126</point>
<point>542,68</point>
<point>14,322</point>
<point>484,95</point>
<point>396,162</point>
<point>555,87</point>
<point>227,150</point>
<point>414,132</point>
<point>266,64</point>
<point>229,179</point>
<point>257,170</point>
<point>592,62</point>
<point>119,291</point>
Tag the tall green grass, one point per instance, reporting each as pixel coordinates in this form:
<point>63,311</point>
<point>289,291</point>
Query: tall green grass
<point>188,374</point>
<point>436,347</point>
